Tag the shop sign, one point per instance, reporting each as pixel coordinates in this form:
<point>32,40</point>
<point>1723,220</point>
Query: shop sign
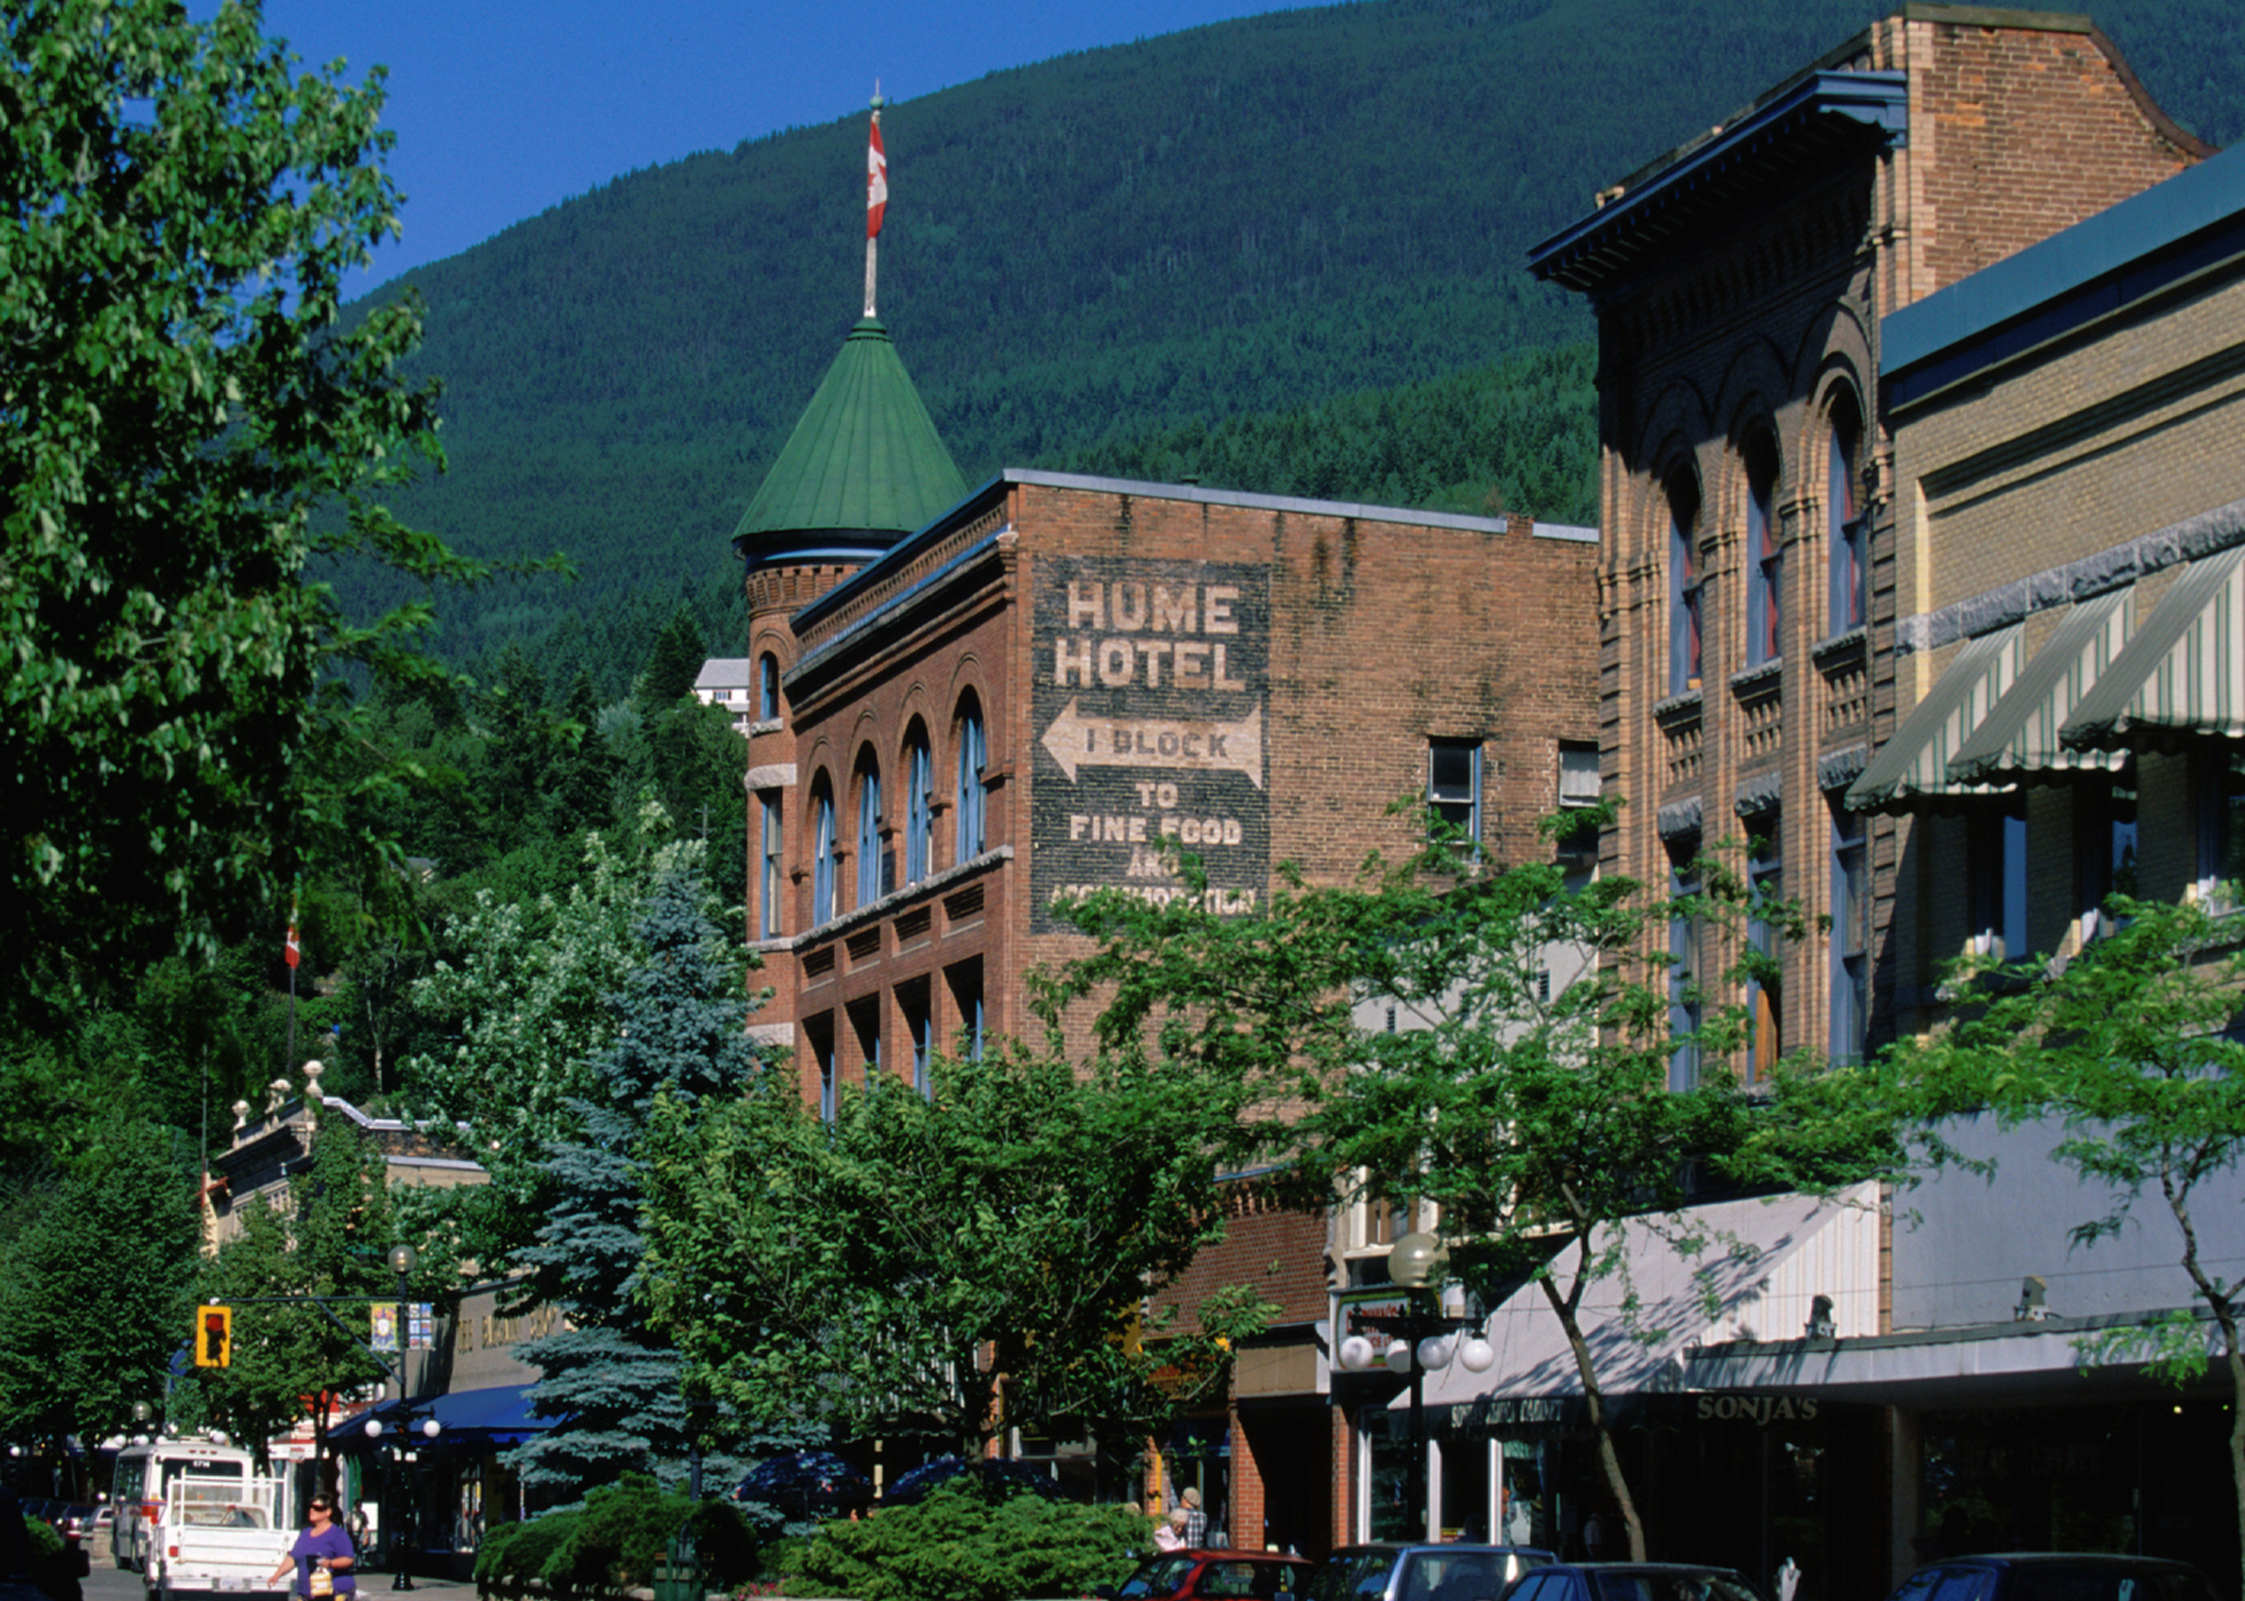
<point>1759,1409</point>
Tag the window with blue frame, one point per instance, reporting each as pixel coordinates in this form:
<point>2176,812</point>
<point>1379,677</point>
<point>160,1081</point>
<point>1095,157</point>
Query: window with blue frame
<point>1765,608</point>
<point>1765,990</point>
<point>819,1032</point>
<point>1684,588</point>
<point>868,833</point>
<point>1851,916</point>
<point>1846,529</point>
<point>2106,830</point>
<point>973,756</point>
<point>919,810</point>
<point>2221,823</point>
<point>822,856</point>
<point>965,982</point>
<point>1996,879</point>
<point>1685,998</point>
<point>771,878</point>
<point>919,1026</point>
<point>767,687</point>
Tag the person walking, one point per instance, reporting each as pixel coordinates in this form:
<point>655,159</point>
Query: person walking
<point>1169,1534</point>
<point>1196,1521</point>
<point>322,1556</point>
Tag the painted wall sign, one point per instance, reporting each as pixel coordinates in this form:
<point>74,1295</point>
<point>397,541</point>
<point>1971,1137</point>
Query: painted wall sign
<point>1151,694</point>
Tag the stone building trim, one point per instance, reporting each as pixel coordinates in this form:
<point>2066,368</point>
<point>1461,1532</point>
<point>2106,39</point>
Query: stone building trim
<point>2074,581</point>
<point>1680,819</point>
<point>1760,795</point>
<point>874,911</point>
<point>1839,768</point>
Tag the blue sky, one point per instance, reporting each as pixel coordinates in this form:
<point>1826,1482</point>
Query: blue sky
<point>505,107</point>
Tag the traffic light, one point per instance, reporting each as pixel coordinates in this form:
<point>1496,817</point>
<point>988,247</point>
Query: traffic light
<point>214,1336</point>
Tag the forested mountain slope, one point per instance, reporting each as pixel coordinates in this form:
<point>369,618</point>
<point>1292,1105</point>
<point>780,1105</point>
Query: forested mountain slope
<point>1095,259</point>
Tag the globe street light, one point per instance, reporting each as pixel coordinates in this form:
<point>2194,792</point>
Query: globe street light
<point>403,1259</point>
<point>1417,1341</point>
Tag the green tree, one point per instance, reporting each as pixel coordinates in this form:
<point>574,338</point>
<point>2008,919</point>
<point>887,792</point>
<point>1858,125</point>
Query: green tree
<point>675,662</point>
<point>611,1382</point>
<point>526,1009</point>
<point>1535,1089</point>
<point>891,1269</point>
<point>94,1290</point>
<point>2127,1053</point>
<point>189,433</point>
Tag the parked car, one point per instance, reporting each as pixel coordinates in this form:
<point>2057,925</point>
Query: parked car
<point>71,1519</point>
<point>998,1478</point>
<point>2056,1576</point>
<point>1397,1572</point>
<point>808,1484</point>
<point>1216,1575</point>
<point>1633,1581</point>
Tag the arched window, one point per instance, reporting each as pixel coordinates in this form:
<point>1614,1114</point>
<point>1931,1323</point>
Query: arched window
<point>1845,532</point>
<point>767,687</point>
<point>822,857</point>
<point>1683,584</point>
<point>973,756</point>
<point>868,833</point>
<point>1765,609</point>
<point>919,808</point>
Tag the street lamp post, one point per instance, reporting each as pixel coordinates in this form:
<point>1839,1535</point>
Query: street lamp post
<point>402,1261</point>
<point>1419,1341</point>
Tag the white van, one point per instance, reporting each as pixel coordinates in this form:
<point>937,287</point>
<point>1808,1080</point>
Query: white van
<point>141,1484</point>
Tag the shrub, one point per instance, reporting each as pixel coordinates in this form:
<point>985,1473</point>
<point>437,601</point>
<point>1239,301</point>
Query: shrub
<point>614,1541</point>
<point>45,1543</point>
<point>514,1552</point>
<point>956,1545</point>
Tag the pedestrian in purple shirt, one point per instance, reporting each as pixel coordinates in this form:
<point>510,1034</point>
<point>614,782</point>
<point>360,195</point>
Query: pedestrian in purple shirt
<point>324,1550</point>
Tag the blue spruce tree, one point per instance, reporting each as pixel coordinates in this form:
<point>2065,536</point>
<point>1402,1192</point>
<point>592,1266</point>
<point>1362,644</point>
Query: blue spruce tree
<point>611,1382</point>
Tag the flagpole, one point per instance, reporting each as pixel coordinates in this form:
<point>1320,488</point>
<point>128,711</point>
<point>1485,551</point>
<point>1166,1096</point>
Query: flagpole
<point>290,953</point>
<point>876,196</point>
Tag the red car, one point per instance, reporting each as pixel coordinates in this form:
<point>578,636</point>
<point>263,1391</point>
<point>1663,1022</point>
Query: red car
<point>1214,1575</point>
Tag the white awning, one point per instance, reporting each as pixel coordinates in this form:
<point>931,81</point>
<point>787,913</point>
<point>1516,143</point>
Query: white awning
<point>1736,1270</point>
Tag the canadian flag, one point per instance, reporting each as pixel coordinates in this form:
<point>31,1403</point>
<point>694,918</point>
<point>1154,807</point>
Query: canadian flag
<point>876,181</point>
<point>293,953</point>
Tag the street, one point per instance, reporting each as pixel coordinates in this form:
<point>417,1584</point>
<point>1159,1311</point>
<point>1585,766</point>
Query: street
<point>108,1582</point>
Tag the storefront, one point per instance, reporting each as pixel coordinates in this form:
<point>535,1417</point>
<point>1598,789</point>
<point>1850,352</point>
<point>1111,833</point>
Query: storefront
<point>1747,1477</point>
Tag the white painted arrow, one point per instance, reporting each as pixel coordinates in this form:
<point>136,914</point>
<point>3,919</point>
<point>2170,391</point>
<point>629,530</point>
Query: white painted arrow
<point>1210,747</point>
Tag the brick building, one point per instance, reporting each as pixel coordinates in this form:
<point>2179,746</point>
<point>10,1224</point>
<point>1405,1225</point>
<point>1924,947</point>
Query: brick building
<point>970,704</point>
<point>1887,491</point>
<point>1751,561</point>
<point>1018,700</point>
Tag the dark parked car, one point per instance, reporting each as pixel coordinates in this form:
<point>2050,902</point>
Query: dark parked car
<point>997,1477</point>
<point>2056,1576</point>
<point>807,1485</point>
<point>1422,1572</point>
<point>1634,1581</point>
<point>1217,1575</point>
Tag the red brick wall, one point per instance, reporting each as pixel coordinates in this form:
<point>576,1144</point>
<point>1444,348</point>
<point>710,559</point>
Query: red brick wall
<point>1278,1252</point>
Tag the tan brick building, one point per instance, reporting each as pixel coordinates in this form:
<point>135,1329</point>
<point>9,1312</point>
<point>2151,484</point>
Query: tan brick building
<point>1919,535</point>
<point>1751,566</point>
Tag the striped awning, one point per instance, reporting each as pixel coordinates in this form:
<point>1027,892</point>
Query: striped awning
<point>1915,762</point>
<point>2183,672</point>
<point>2019,739</point>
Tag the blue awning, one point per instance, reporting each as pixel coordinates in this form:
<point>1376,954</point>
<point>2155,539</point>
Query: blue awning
<point>499,1416</point>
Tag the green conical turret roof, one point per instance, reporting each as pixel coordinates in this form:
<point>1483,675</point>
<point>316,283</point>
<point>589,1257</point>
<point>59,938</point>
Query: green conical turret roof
<point>864,459</point>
